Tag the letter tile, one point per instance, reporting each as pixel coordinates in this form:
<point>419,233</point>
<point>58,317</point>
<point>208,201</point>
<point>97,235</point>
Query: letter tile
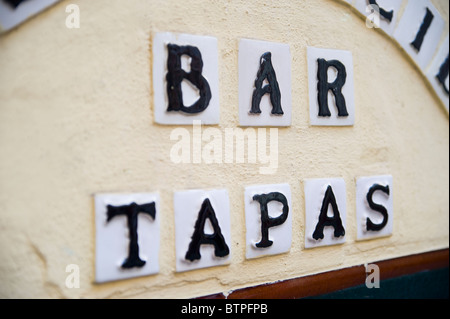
<point>268,219</point>
<point>326,212</point>
<point>264,83</point>
<point>127,235</point>
<point>185,79</point>
<point>202,229</point>
<point>374,207</point>
<point>331,88</point>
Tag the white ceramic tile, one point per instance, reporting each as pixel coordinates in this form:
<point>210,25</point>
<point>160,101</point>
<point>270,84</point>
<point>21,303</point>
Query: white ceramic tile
<point>187,205</point>
<point>379,197</point>
<point>345,58</point>
<point>315,190</point>
<point>280,235</point>
<point>208,49</point>
<point>11,17</point>
<point>409,25</point>
<point>250,58</point>
<point>113,237</point>
<point>388,6</point>
<point>433,71</point>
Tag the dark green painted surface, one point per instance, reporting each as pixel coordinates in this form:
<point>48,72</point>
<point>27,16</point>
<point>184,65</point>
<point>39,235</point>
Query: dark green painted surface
<point>432,284</point>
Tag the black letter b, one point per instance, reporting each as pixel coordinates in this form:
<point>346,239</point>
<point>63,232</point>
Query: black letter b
<point>175,75</point>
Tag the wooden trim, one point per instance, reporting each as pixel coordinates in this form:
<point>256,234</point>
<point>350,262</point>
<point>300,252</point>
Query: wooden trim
<point>331,281</point>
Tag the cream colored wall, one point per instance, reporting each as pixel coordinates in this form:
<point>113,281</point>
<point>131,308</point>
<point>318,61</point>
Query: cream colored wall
<point>77,119</point>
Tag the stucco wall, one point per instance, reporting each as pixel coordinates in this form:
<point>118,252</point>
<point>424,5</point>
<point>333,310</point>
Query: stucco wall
<point>76,118</point>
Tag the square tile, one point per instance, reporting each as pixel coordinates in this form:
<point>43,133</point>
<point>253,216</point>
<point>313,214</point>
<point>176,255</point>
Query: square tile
<point>202,229</point>
<point>264,83</point>
<point>326,212</point>
<point>268,210</point>
<point>336,76</point>
<point>374,207</point>
<point>194,78</point>
<point>116,256</point>
<point>413,19</point>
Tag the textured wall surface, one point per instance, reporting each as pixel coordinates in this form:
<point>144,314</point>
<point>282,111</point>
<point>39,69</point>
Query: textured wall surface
<point>76,118</point>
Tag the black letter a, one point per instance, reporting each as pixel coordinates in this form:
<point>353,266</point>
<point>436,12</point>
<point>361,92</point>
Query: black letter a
<point>199,237</point>
<point>324,220</point>
<point>266,71</point>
